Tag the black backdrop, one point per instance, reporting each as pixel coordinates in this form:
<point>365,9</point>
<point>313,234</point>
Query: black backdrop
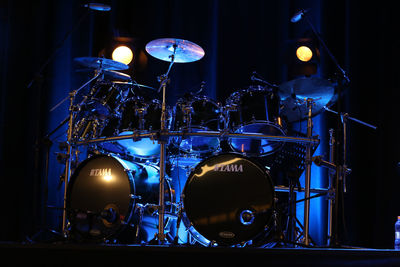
<point>239,37</point>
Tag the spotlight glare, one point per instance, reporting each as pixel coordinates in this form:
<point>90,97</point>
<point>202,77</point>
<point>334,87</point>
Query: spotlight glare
<point>122,54</point>
<point>304,53</point>
<point>107,178</point>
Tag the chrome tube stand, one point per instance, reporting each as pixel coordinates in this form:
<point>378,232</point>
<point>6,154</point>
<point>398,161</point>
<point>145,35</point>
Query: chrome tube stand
<point>341,173</point>
<point>69,158</point>
<point>331,192</point>
<point>72,110</point>
<point>307,179</point>
<point>163,79</point>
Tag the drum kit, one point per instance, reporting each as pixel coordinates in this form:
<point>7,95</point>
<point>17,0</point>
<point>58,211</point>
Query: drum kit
<point>124,184</point>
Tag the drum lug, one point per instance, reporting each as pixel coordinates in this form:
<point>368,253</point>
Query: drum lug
<point>132,196</point>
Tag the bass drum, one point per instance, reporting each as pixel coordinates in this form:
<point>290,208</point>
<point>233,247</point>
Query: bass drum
<point>228,199</point>
<point>105,194</point>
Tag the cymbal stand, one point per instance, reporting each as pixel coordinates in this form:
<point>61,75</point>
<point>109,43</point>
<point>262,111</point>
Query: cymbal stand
<point>72,110</point>
<point>307,179</point>
<point>163,79</point>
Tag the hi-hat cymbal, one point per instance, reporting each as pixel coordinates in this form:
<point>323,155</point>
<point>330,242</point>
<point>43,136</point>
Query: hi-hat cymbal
<point>103,63</point>
<point>185,51</point>
<point>294,94</point>
<point>115,75</point>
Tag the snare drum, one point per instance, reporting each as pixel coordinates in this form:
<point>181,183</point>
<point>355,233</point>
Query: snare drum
<point>106,193</point>
<point>255,110</point>
<point>196,114</point>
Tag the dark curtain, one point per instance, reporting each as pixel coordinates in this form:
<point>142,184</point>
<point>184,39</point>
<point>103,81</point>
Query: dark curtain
<point>239,37</point>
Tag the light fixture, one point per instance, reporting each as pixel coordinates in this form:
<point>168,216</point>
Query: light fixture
<point>303,57</point>
<point>304,53</point>
<point>123,54</point>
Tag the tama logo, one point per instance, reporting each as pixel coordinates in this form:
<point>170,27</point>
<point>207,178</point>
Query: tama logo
<point>100,172</point>
<point>228,168</point>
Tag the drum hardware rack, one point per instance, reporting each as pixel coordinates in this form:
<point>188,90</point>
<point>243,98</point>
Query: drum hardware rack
<point>162,136</point>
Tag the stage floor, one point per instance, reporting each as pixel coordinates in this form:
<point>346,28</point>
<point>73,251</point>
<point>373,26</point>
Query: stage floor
<point>16,254</point>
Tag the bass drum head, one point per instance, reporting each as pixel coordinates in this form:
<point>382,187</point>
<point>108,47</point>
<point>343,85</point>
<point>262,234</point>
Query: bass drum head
<point>99,197</point>
<point>228,199</point>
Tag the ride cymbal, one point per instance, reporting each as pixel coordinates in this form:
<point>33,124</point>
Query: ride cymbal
<point>184,51</point>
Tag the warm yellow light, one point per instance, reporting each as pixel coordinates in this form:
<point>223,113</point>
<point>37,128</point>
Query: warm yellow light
<point>122,54</point>
<point>304,53</point>
<point>107,178</point>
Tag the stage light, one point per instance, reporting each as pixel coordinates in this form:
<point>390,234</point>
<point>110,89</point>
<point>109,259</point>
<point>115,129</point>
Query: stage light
<point>304,53</point>
<point>122,54</point>
<point>303,57</point>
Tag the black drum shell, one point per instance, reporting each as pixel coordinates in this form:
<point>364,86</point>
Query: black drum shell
<point>214,197</point>
<point>89,194</point>
<point>253,104</point>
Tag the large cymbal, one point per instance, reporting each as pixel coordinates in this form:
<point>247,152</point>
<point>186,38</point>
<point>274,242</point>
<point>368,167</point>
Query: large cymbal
<point>185,51</point>
<point>103,63</point>
<point>294,94</point>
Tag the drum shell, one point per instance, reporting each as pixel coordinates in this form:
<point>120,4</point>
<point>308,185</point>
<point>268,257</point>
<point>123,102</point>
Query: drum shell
<point>106,98</point>
<point>217,193</point>
<point>255,110</point>
<point>130,185</point>
<point>132,120</point>
<point>253,104</point>
<point>197,114</point>
<point>204,113</point>
<point>142,117</point>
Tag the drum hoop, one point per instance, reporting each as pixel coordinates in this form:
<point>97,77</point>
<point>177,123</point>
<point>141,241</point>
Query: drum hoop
<point>196,98</point>
<point>236,95</point>
<point>270,123</point>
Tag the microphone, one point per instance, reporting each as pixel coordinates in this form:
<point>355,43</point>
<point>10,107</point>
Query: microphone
<point>299,15</point>
<point>98,7</point>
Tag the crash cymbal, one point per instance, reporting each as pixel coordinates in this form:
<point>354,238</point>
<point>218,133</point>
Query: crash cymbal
<point>294,94</point>
<point>185,51</point>
<point>103,63</point>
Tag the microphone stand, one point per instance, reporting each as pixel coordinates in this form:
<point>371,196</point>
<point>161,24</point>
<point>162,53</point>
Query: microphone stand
<point>322,42</point>
<point>38,75</point>
<point>340,162</point>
